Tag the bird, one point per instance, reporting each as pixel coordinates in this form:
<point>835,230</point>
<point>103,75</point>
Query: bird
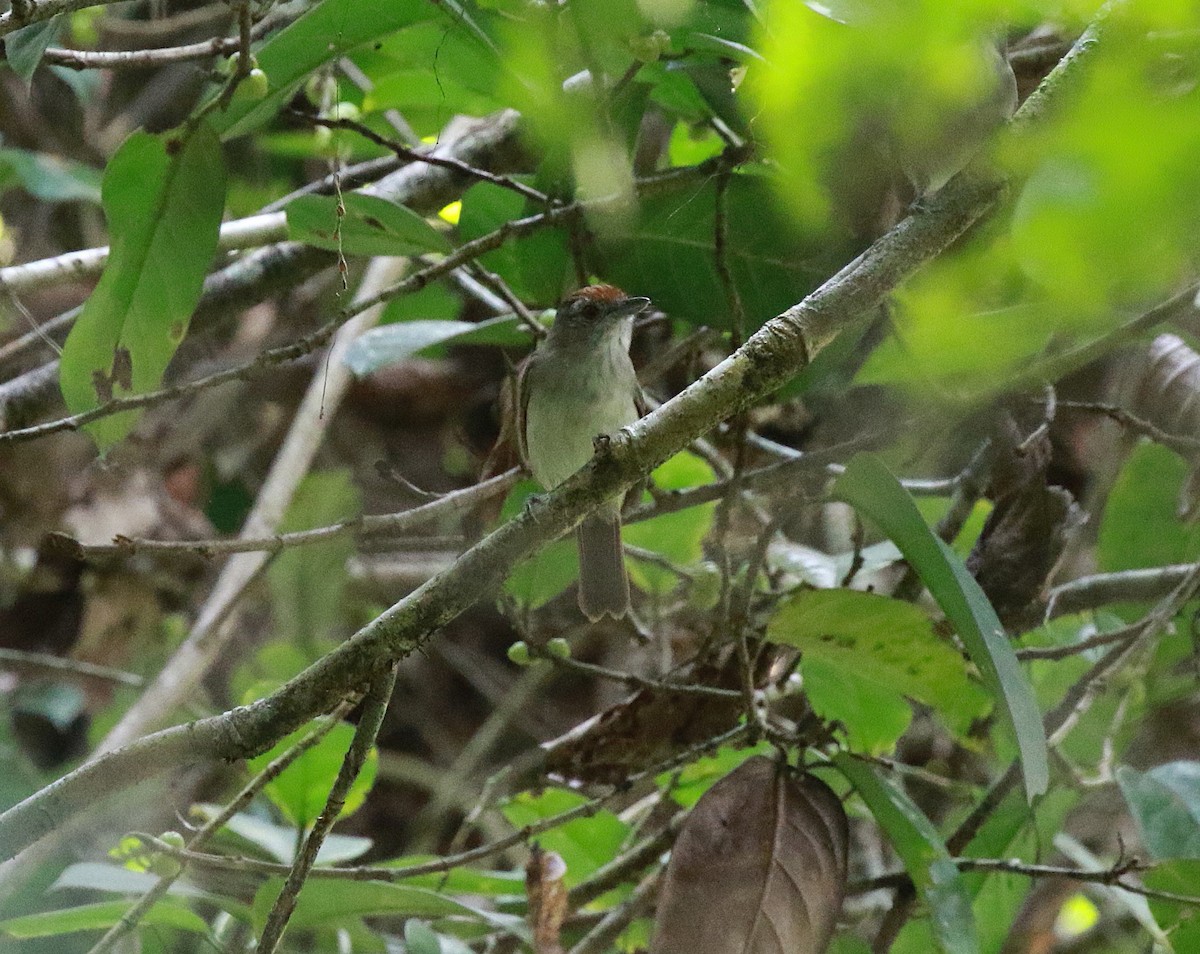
<point>579,384</point>
<point>931,152</point>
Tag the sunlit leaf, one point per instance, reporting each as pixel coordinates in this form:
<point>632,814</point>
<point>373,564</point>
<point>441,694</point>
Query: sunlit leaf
<point>371,226</point>
<point>882,649</point>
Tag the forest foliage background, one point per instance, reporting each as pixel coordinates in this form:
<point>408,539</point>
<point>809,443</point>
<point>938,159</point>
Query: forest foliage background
<point>915,512</point>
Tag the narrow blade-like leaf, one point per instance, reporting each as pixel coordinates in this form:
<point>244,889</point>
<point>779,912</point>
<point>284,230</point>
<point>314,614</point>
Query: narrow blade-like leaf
<point>871,488</point>
<point>923,852</point>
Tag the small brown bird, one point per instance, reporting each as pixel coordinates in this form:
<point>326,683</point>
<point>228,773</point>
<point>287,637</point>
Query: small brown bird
<point>579,384</point>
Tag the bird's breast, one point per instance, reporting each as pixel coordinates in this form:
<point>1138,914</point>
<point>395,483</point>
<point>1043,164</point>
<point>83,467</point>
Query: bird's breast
<point>569,405</point>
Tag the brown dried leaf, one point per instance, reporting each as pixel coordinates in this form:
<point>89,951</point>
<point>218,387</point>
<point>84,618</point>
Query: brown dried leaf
<point>547,899</point>
<point>759,867</point>
<point>1026,532</point>
<point>647,728</point>
<point>1168,398</point>
<point>1168,394</point>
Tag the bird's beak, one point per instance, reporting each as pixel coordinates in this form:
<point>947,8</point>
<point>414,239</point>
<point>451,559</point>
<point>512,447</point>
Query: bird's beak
<point>630,307</point>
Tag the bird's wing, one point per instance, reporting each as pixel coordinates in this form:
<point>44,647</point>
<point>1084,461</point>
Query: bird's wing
<point>520,405</point>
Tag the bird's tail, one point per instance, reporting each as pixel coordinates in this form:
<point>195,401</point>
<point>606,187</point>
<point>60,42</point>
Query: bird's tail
<point>603,585</point>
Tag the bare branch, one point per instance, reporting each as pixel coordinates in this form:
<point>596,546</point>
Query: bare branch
<point>374,709</point>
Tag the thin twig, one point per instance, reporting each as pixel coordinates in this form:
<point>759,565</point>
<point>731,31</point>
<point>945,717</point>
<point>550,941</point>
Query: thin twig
<point>601,937</point>
<point>1114,876</point>
<point>375,525</point>
<point>370,720</point>
<point>633,680</point>
<point>1181,444</point>
<point>449,862</point>
<point>274,357</point>
<point>1123,635</point>
<point>401,151</point>
<point>1125,586</point>
<point>63,664</point>
<point>626,865</point>
<point>159,56</point>
<point>131,918</point>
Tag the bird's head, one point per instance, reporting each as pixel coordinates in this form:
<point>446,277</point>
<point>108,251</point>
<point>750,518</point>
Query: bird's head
<point>595,312</point>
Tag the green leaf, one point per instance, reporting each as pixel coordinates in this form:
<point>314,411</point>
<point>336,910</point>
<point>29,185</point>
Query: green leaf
<point>278,842</point>
<point>308,584</point>
<point>693,780</point>
<point>1166,803</point>
<point>667,253</point>
<point>25,47</point>
<point>47,177</point>
<point>870,488</point>
<point>163,198</point>
<point>536,581</point>
<point>322,901</point>
<point>1140,526</point>
<point>874,720</point>
<point>875,649</point>
<point>390,344</point>
<point>327,31</point>
<point>537,265</point>
<point>301,789</point>
<point>420,938</point>
<point>98,917</point>
<point>584,843</point>
<point>924,854</point>
<point>677,536</point>
<point>1179,878</point>
<point>371,226</point>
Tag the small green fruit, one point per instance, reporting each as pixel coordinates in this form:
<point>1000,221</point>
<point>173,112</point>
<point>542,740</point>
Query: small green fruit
<point>650,48</point>
<point>256,85</point>
<point>518,653</point>
<point>705,587</point>
<point>344,110</point>
<point>164,865</point>
<point>559,648</point>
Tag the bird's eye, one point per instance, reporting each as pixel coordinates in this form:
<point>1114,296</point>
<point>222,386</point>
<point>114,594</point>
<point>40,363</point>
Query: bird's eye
<point>589,310</point>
